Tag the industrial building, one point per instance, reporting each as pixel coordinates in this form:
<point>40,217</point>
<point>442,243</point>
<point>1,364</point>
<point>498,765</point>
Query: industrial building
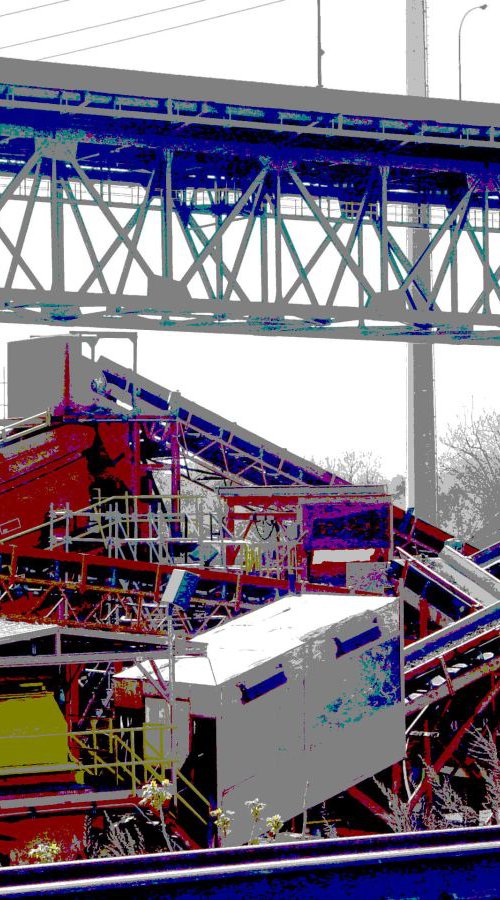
<point>261,630</point>
<point>303,695</point>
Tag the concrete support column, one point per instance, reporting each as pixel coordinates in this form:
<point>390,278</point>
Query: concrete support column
<point>421,491</point>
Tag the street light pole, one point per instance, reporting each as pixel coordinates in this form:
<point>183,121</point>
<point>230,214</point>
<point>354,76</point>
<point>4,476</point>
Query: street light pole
<point>481,6</point>
<point>320,49</point>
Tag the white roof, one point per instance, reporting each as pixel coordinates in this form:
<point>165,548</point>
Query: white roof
<point>12,630</point>
<point>235,647</point>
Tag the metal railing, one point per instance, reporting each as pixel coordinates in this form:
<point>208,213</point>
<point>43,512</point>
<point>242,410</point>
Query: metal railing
<point>172,529</point>
<point>124,758</point>
<point>19,429</point>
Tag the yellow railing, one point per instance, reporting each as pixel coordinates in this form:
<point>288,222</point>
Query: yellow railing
<point>94,752</point>
<point>128,757</point>
<point>116,751</point>
<point>195,791</point>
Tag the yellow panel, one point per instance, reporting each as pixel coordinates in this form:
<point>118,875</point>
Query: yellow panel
<point>32,731</point>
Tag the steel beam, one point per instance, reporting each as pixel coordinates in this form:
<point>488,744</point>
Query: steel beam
<point>455,742</point>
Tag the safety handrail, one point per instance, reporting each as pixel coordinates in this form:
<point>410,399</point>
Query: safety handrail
<point>42,419</point>
<point>198,793</point>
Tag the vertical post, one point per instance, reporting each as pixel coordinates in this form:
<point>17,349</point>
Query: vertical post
<point>421,433</point>
<point>4,385</point>
<point>453,274</point>
<point>264,260</point>
<point>167,218</point>
<point>416,48</point>
<point>421,438</point>
<point>171,692</point>
<point>277,240</point>
<point>66,529</point>
<point>486,252</point>
<point>219,252</point>
<point>134,370</point>
<point>384,242</point>
<point>134,354</point>
<point>136,459</point>
<point>361,262</point>
<point>175,480</point>
<point>320,50</point>
<point>460,59</point>
<point>133,763</point>
<point>57,230</point>
<point>66,380</point>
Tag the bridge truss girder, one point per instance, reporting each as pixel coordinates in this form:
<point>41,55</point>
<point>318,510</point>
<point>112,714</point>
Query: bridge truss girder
<point>357,280</point>
<point>217,217</point>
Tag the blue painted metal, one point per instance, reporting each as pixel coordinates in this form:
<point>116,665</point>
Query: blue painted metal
<point>457,633</point>
<point>359,640</point>
<point>206,434</point>
<point>487,556</point>
<point>111,108</point>
<point>262,687</point>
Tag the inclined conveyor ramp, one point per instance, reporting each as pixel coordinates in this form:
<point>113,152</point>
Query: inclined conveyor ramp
<point>453,584</point>
<point>447,661</point>
<point>452,636</point>
<point>212,438</point>
<point>488,559</point>
<point>467,574</point>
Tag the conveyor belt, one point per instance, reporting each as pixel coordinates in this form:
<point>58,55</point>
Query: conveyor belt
<point>447,661</point>
<point>242,456</point>
<point>347,846</point>
<point>430,579</point>
<point>213,439</point>
<point>465,572</point>
<point>453,635</point>
<point>489,559</point>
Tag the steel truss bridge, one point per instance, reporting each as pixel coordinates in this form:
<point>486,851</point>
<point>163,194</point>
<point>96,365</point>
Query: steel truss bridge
<point>166,202</point>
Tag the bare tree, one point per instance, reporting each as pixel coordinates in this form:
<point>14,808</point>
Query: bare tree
<point>355,466</point>
<point>398,816</point>
<point>470,473</point>
<point>483,748</point>
<point>448,809</point>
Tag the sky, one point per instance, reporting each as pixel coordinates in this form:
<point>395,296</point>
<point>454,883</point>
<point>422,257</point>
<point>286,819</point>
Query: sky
<point>315,397</point>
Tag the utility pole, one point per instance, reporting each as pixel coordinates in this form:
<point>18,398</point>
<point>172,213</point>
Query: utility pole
<point>321,52</point>
<point>421,489</point>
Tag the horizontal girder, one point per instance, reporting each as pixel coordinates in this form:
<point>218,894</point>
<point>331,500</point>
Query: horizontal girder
<point>229,186</point>
<point>254,324</point>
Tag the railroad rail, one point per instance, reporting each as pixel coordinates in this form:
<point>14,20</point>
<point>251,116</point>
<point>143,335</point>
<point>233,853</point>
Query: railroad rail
<point>436,865</point>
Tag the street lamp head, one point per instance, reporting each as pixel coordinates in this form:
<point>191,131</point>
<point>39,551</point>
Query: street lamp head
<point>467,13</point>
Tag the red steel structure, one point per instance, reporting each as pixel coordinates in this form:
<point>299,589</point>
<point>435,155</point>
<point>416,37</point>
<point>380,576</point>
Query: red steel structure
<point>118,483</point>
